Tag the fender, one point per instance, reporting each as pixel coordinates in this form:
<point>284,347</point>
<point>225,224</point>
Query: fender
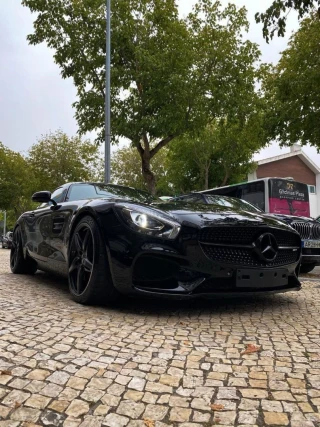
<point>92,211</point>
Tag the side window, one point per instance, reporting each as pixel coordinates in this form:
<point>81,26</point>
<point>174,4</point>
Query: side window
<point>58,195</point>
<point>312,189</point>
<point>254,194</point>
<point>81,192</point>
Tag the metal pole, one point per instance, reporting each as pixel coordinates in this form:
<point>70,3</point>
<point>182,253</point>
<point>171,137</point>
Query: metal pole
<point>107,96</point>
<point>5,223</point>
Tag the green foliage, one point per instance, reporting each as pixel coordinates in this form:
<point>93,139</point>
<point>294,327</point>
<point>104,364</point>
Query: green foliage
<point>292,89</point>
<point>169,75</point>
<point>17,182</point>
<point>126,170</point>
<point>56,159</point>
<point>52,161</point>
<point>275,17</point>
<point>220,155</point>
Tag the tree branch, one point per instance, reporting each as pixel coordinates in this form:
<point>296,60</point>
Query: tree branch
<point>161,144</point>
<point>146,142</point>
<point>139,148</point>
<point>226,177</point>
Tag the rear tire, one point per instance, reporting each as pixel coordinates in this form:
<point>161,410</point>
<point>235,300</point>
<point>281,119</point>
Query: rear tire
<point>306,268</point>
<point>18,263</point>
<point>89,275</point>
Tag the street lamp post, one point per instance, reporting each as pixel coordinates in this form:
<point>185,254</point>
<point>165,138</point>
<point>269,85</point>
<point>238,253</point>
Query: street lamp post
<point>107,95</point>
<point>4,222</point>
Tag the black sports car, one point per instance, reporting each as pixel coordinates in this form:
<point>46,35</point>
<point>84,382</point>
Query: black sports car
<point>111,240</point>
<point>308,228</point>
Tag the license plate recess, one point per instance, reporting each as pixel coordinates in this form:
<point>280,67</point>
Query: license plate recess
<point>247,278</point>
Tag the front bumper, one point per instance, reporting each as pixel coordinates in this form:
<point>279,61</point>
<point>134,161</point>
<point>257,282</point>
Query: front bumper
<point>310,256</point>
<point>180,269</point>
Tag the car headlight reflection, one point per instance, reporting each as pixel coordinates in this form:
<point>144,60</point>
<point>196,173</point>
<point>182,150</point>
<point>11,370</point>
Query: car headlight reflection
<point>150,222</point>
<point>144,221</point>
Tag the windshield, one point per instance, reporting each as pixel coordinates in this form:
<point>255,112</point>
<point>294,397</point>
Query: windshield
<point>100,191</point>
<point>231,202</point>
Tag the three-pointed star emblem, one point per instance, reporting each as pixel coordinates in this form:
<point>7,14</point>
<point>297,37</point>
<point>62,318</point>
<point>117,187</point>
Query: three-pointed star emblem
<point>266,247</point>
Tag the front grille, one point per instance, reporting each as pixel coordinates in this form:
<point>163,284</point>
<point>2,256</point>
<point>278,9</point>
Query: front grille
<point>307,230</point>
<point>246,256</point>
<point>236,245</point>
<point>246,235</point>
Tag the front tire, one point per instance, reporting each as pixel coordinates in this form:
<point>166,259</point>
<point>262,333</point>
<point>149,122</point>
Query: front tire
<point>18,263</point>
<point>306,268</point>
<point>89,276</point>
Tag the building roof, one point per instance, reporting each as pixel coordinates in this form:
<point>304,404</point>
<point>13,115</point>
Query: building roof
<point>295,151</point>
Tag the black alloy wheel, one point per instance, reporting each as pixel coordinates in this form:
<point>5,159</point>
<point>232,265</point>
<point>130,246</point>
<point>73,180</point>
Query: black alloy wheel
<point>16,242</point>
<point>18,263</point>
<point>89,274</point>
<point>82,256</point>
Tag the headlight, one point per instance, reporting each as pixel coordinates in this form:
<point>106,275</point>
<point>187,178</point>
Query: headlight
<point>149,221</point>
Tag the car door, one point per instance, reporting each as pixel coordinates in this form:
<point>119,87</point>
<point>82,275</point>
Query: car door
<point>61,216</point>
<point>39,224</point>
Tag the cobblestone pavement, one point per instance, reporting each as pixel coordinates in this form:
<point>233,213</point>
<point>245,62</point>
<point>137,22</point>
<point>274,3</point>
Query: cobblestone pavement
<point>152,364</point>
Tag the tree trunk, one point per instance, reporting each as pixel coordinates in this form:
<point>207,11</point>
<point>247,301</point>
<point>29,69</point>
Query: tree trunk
<point>206,179</point>
<point>225,179</point>
<point>147,173</point>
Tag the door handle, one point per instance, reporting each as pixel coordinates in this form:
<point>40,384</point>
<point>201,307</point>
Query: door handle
<point>31,214</point>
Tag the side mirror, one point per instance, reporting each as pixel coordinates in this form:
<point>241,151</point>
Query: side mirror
<point>42,197</point>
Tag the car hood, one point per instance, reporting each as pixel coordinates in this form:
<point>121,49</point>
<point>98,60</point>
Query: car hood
<point>210,215</point>
<point>292,218</point>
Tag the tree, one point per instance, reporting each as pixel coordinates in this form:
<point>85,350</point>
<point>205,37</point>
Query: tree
<point>221,154</point>
<point>275,17</point>
<point>126,170</point>
<point>57,158</point>
<point>17,183</point>
<point>169,75</point>
<point>292,89</point>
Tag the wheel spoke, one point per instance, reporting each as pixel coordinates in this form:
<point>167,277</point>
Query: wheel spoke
<point>87,265</point>
<point>75,264</point>
<point>79,279</point>
<point>14,249</point>
<point>85,240</point>
<point>81,259</point>
<point>78,242</point>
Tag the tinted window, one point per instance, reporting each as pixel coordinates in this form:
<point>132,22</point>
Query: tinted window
<point>231,203</point>
<point>100,191</point>
<point>254,193</point>
<point>58,195</point>
<point>81,192</point>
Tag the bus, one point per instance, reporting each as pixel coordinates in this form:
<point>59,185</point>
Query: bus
<point>272,195</point>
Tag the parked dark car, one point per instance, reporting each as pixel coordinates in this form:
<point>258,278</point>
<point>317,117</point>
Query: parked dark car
<point>7,240</point>
<point>308,228</point>
<point>111,240</point>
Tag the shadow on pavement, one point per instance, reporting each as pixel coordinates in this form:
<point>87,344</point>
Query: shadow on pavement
<point>161,306</point>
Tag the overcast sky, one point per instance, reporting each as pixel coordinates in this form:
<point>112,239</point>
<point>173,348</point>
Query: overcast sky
<point>34,99</point>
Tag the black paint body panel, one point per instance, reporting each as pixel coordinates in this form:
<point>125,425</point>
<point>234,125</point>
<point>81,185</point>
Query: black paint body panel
<point>192,265</point>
